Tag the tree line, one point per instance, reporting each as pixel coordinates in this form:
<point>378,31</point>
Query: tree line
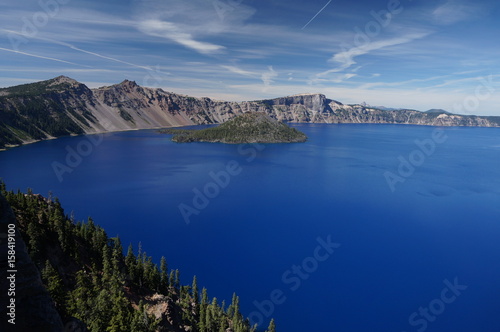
<point>90,278</point>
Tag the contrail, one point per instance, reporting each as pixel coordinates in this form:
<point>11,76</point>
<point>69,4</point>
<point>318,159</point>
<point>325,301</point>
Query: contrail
<point>312,19</point>
<point>40,56</point>
<point>77,49</point>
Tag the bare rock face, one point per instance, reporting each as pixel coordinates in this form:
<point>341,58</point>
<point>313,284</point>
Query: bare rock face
<point>164,309</point>
<point>34,309</point>
<point>72,108</point>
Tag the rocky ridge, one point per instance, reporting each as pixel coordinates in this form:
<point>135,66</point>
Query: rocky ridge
<point>63,106</point>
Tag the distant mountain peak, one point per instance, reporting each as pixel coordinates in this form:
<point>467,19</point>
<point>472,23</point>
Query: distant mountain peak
<point>63,79</point>
<point>437,110</point>
<point>308,94</point>
<point>129,83</point>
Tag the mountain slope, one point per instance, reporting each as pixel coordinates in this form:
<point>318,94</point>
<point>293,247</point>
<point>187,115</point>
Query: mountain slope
<point>72,274</point>
<point>62,106</point>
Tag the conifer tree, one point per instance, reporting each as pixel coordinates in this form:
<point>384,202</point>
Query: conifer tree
<point>272,326</point>
<point>171,278</point>
<point>195,291</point>
<point>34,243</point>
<point>163,275</point>
<point>54,285</point>
<point>177,279</point>
<point>130,262</point>
<point>203,310</point>
<point>117,254</point>
<point>106,263</point>
<point>121,318</point>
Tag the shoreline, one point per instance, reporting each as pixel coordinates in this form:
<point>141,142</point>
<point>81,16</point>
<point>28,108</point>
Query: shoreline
<point>293,123</point>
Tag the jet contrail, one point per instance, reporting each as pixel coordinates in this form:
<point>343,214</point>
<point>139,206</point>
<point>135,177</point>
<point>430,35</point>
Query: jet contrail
<point>41,57</point>
<point>312,19</point>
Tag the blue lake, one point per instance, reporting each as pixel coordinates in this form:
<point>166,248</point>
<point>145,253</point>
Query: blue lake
<point>358,229</point>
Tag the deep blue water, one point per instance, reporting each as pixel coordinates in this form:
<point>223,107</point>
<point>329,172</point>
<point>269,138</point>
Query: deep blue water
<point>397,249</point>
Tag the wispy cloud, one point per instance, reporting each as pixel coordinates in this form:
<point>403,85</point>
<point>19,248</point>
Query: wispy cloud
<point>267,77</point>
<point>401,83</point>
<point>172,32</point>
<point>453,11</point>
<point>335,78</point>
<point>239,71</point>
<point>345,59</point>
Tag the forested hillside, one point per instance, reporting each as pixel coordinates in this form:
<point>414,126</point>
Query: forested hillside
<point>94,284</point>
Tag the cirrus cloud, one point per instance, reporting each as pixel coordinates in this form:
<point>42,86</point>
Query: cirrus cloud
<point>171,31</point>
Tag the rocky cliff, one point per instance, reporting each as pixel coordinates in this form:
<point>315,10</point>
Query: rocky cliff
<point>63,106</point>
<point>29,306</point>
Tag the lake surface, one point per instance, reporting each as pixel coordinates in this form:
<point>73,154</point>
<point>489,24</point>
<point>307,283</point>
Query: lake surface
<point>358,229</point>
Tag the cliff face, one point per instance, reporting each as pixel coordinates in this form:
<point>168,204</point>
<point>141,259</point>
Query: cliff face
<point>62,106</point>
<point>34,309</point>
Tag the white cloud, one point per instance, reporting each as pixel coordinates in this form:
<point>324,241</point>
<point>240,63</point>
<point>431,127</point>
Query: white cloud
<point>345,59</point>
<point>267,77</point>
<point>171,31</point>
<point>454,11</point>
<point>240,71</point>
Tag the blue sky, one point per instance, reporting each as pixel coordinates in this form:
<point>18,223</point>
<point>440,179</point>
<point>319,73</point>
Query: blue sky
<point>425,54</point>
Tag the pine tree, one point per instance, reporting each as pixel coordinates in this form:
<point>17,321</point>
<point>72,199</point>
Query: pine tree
<point>54,285</point>
<point>203,310</point>
<point>272,326</point>
<point>130,262</point>
<point>163,275</point>
<point>81,298</point>
<point>195,291</point>
<point>117,254</point>
<point>106,263</point>
<point>34,244</point>
<point>121,319</point>
<point>171,278</point>
<point>177,280</point>
<point>234,308</point>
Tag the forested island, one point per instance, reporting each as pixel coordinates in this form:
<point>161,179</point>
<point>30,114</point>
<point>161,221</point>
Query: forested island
<point>93,286</point>
<point>251,127</point>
